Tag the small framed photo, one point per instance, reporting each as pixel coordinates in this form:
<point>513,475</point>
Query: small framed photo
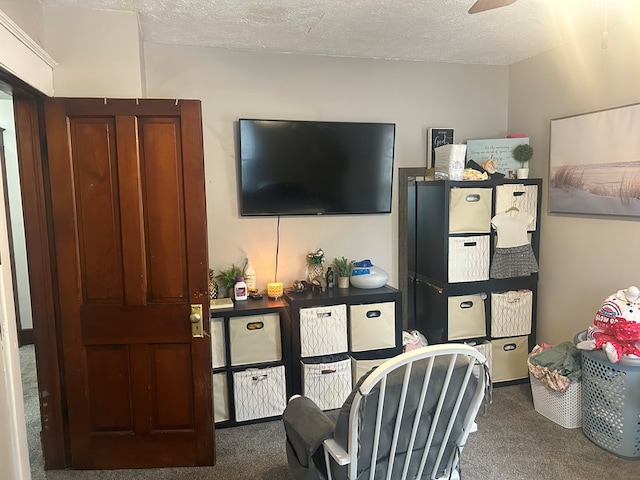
<point>437,137</point>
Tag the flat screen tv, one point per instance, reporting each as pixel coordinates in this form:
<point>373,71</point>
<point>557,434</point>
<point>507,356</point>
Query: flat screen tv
<point>315,168</point>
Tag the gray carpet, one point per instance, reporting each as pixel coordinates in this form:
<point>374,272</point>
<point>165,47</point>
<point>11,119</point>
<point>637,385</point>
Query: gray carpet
<point>513,442</point>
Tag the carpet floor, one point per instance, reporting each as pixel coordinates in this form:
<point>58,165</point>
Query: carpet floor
<point>513,442</point>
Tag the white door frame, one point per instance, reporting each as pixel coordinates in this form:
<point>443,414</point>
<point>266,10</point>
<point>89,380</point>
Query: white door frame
<point>14,429</point>
<point>24,58</point>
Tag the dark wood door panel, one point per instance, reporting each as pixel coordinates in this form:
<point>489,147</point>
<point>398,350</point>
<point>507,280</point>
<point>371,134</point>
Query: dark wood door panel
<point>171,389</point>
<point>163,207</point>
<point>109,382</point>
<point>97,208</point>
<point>104,325</point>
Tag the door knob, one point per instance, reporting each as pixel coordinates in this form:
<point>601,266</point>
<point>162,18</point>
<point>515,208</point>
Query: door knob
<point>196,321</point>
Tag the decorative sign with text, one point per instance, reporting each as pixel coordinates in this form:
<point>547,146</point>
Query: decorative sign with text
<point>437,137</point>
<point>500,149</point>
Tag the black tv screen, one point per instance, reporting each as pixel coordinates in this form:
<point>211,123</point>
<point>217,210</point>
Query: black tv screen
<point>315,168</point>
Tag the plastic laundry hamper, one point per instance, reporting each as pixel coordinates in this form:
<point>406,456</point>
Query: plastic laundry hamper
<point>563,408</point>
<point>611,403</point>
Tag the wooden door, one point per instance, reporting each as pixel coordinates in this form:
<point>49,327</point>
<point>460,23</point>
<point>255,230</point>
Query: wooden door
<point>130,252</point>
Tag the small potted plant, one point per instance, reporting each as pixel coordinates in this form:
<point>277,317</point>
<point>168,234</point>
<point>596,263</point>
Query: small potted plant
<point>342,268</point>
<point>523,153</point>
<point>227,278</point>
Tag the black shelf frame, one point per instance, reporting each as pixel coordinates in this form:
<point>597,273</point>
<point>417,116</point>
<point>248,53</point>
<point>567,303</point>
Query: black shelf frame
<point>245,308</point>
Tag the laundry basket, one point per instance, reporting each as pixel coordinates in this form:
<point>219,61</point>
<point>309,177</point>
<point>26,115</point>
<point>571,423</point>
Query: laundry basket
<point>611,403</point>
<point>563,408</point>
<point>551,368</point>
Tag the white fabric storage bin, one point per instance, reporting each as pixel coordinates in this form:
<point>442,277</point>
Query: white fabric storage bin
<point>509,358</point>
<point>466,316</point>
<point>259,393</point>
<point>328,384</point>
<point>218,353</point>
<point>470,210</point>
<point>511,313</point>
<point>360,367</point>
<point>485,349</point>
<point>255,339</point>
<point>220,398</point>
<point>523,197</point>
<point>468,259</point>
<point>323,330</point>
<point>373,326</point>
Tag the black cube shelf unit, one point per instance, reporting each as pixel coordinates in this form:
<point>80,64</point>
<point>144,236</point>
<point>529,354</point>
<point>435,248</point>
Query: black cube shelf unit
<point>250,345</point>
<point>450,246</point>
<point>361,325</point>
<point>317,344</point>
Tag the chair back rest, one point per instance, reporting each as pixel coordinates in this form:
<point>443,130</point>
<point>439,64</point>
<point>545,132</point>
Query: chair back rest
<point>413,413</point>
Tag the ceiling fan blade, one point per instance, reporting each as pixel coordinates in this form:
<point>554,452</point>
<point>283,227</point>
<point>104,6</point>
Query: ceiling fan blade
<point>482,5</point>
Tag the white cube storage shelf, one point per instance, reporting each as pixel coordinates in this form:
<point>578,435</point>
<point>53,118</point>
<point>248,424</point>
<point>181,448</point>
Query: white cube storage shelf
<point>259,393</point>
<point>328,384</point>
<point>470,210</point>
<point>468,259</point>
<point>255,339</point>
<point>466,316</point>
<point>323,330</point>
<point>373,326</point>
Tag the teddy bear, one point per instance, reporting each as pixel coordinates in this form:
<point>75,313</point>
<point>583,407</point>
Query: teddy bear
<point>616,326</point>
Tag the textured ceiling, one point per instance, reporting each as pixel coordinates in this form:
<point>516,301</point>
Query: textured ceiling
<point>427,30</point>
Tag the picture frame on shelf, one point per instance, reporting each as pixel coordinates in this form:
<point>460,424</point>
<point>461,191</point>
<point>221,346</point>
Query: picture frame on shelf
<point>499,149</point>
<point>437,137</point>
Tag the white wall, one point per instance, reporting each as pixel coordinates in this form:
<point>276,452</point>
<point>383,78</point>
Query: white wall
<point>20,55</point>
<point>582,258</point>
<point>234,84</point>
<point>14,453</point>
<point>21,270</point>
<point>28,14</point>
<point>98,52</point>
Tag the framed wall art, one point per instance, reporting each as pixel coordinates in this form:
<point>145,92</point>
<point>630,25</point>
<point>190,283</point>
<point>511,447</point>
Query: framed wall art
<point>500,149</point>
<point>437,137</point>
<point>594,163</point>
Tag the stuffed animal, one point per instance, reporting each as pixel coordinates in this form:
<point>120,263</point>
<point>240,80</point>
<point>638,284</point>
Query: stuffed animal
<point>616,326</point>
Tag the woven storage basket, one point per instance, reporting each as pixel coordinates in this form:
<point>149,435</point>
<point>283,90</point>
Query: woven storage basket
<point>563,408</point>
